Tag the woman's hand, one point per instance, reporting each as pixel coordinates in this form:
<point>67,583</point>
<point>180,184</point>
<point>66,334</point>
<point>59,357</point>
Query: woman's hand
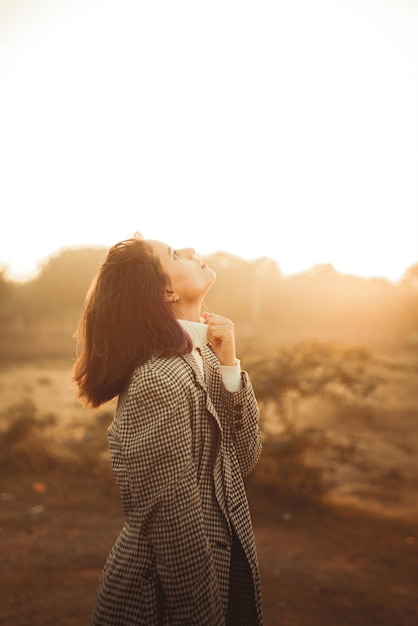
<point>221,335</point>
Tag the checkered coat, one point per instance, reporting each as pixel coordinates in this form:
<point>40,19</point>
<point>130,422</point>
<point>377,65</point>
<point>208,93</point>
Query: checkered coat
<point>180,445</point>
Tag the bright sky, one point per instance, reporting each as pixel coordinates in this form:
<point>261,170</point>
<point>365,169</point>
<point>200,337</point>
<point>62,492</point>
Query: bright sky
<point>286,129</point>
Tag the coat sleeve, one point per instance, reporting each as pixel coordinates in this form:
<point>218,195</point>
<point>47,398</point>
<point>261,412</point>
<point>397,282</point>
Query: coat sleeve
<point>156,442</point>
<point>242,414</point>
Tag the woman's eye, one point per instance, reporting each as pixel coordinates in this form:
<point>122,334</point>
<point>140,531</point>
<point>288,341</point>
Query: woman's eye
<point>175,254</point>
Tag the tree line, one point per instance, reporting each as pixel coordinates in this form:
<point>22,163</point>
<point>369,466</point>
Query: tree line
<point>268,308</point>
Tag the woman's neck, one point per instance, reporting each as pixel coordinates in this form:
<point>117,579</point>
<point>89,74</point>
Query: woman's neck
<point>190,313</point>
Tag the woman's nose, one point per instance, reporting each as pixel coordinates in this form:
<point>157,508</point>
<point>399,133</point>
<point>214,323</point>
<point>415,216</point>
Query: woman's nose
<point>189,252</point>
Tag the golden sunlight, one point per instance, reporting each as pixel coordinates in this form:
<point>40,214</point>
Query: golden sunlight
<point>273,131</point>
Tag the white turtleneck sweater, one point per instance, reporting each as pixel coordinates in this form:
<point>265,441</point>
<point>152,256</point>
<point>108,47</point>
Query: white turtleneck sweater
<point>198,333</point>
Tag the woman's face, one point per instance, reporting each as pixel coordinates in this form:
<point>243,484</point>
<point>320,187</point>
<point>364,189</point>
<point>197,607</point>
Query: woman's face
<point>190,279</point>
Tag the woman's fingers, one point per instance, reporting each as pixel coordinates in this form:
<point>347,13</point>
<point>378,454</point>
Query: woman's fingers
<point>221,334</point>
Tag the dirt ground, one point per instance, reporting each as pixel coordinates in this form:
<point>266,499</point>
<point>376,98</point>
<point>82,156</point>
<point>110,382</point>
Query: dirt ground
<point>326,566</point>
<point>351,561</point>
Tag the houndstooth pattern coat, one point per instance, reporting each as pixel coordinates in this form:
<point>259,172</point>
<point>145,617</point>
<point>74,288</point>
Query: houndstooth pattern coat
<point>180,446</point>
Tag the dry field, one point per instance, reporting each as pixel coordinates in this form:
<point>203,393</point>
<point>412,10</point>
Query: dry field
<point>349,560</point>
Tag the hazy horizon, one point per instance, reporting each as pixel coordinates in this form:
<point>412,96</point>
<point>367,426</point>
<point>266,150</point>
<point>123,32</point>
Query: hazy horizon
<point>40,263</point>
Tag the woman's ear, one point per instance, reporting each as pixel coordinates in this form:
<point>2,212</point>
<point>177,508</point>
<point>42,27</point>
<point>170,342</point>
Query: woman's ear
<point>170,295</point>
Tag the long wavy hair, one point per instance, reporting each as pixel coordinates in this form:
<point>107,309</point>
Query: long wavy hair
<point>125,322</point>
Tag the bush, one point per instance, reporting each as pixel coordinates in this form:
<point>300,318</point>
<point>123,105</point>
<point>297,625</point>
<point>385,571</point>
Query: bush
<point>32,442</point>
<point>24,441</point>
<point>283,472</point>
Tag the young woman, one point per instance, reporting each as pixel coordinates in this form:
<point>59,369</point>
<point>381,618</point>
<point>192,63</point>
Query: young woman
<point>184,435</point>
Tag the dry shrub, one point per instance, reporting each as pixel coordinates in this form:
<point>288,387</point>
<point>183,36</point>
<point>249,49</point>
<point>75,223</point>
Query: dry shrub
<point>32,442</point>
<point>24,438</point>
<point>92,450</point>
<point>284,474</point>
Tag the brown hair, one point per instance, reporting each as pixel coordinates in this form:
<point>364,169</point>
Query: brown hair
<point>125,322</point>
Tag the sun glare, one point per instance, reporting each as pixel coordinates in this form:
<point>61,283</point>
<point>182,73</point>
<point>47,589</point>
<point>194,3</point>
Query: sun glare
<point>288,132</point>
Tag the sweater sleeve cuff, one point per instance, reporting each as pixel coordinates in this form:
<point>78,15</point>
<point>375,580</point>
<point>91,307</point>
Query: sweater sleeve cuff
<point>231,376</point>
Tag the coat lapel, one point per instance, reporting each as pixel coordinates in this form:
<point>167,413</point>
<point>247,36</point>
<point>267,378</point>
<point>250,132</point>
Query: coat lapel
<point>220,479</point>
<point>189,358</point>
